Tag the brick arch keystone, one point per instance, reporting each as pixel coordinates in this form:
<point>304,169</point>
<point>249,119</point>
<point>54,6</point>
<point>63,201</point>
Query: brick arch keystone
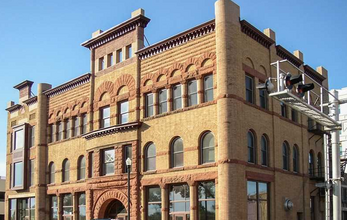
<point>104,87</point>
<point>104,200</point>
<point>124,80</point>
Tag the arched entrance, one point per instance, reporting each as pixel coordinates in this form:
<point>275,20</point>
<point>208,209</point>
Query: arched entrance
<point>115,210</point>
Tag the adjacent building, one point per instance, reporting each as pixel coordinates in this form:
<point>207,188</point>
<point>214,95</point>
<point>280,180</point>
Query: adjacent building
<point>2,197</point>
<point>204,142</point>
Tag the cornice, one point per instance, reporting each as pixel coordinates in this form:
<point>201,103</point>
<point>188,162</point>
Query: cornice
<point>111,130</point>
<point>285,54</point>
<point>314,74</point>
<point>13,108</point>
<point>255,34</point>
<point>23,84</point>
<point>68,85</point>
<point>177,40</point>
<point>116,31</point>
<point>31,100</point>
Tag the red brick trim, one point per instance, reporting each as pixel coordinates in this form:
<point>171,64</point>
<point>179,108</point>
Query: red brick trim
<point>259,176</point>
<point>253,72</point>
<point>105,198</point>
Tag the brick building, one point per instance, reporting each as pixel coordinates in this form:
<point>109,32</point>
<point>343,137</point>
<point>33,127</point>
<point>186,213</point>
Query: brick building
<point>204,142</point>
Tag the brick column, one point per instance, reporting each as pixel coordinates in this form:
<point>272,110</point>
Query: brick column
<point>193,200</point>
<point>60,206</point>
<point>75,205</point>
<point>200,85</point>
<point>89,204</point>
<point>169,98</point>
<point>119,152</point>
<point>164,202</point>
<point>155,102</point>
<point>96,163</point>
<point>184,94</point>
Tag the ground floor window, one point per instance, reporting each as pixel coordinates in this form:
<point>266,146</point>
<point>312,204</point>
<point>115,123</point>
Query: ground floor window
<point>257,195</point>
<point>82,206</point>
<point>207,203</point>
<point>67,207</point>
<point>54,208</point>
<point>179,202</point>
<point>154,203</point>
<point>23,208</point>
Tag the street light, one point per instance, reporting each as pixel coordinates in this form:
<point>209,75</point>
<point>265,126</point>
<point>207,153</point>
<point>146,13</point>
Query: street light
<point>128,163</point>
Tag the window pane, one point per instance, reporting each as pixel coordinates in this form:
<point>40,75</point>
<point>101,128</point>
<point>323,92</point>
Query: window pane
<point>154,211</point>
<point>151,152</point>
<point>252,210</point>
<point>154,194</point>
<point>162,101</point>
<point>249,89</point>
<point>32,136</point>
<point>67,200</point>
<point>263,151</point>
<point>149,105</point>
<point>66,171</point>
<point>208,88</point>
<point>262,191</point>
<point>263,210</point>
<point>207,210</point>
<point>177,96</point>
<point>208,155</point>
<point>206,190</point>
<point>109,158</point>
<point>192,93</point>
<point>18,174</point>
<point>151,163</point>
<point>251,190</point>
<point>208,148</point>
<point>124,109</point>
<point>82,168</point>
<point>178,160</point>
<point>84,121</point>
<point>19,139</point>
<point>52,173</point>
<point>13,207</point>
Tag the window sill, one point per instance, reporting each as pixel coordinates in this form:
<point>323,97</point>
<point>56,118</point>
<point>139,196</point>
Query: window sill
<point>65,183</point>
<point>81,181</point>
<point>149,172</point>
<point>206,165</point>
<point>51,184</point>
<point>173,169</point>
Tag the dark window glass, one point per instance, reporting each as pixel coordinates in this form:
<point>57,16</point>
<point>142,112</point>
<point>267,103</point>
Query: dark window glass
<point>319,165</point>
<point>311,163</point>
<point>67,206</point>
<point>177,153</point>
<point>177,97</point>
<point>150,157</point>
<point>285,156</point>
<point>66,170</point>
<point>68,128</point>
<point>32,136</point>
<point>257,196</point>
<point>208,88</point>
<point>82,168</point>
<point>31,208</point>
<point>18,174</point>
<point>192,93</point>
<point>110,60</point>
<point>105,117</point>
<point>162,101</point>
<point>2,196</point>
<point>251,147</point>
<point>179,200</point>
<point>249,89</point>
<point>119,56</point>
<point>154,203</point>
<point>18,139</point>
<point>108,161</point>
<point>54,208</point>
<point>60,131</point>
<point>124,112</point>
<point>295,159</point>
<point>52,134</point>
<point>31,172</point>
<point>52,173</point>
<point>82,206</point>
<point>264,151</point>
<point>207,203</point>
<point>129,51</point>
<point>76,124</point>
<point>84,123</point>
<point>23,208</point>
<point>207,149</point>
<point>149,105</point>
<point>283,110</point>
<point>101,63</point>
<point>294,115</point>
<point>263,98</point>
<point>127,154</point>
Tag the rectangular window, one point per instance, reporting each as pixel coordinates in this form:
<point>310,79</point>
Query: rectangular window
<point>149,105</point>
<point>101,63</point>
<point>108,161</point>
<point>119,56</point>
<point>82,206</point>
<point>249,89</point>
<point>105,117</point>
<point>177,97</point>
<point>91,164</point>
<point>154,203</point>
<point>110,60</point>
<point>84,123</point>
<point>32,136</point>
<point>294,115</point>
<point>76,127</point>
<point>312,208</point>
<point>18,174</point>
<point>257,196</point>
<point>32,208</point>
<point>129,52</point>
<point>162,101</point>
<point>124,112</point>
<point>67,128</point>
<point>2,196</point>
<point>192,93</point>
<point>54,208</point>
<point>23,209</point>
<point>207,203</point>
<point>18,139</point>
<point>208,88</point>
<point>127,154</point>
<point>263,98</point>
<point>179,202</point>
<point>13,209</point>
<point>283,110</point>
<point>31,172</point>
<point>60,131</point>
<point>52,134</point>
<point>67,207</point>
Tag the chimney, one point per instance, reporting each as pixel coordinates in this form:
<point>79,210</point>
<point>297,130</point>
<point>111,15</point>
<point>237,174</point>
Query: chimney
<point>24,89</point>
<point>270,33</point>
<point>299,55</point>
<point>137,12</point>
<point>96,33</point>
<point>321,70</point>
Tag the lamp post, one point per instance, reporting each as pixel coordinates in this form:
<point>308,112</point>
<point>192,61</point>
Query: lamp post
<point>128,163</point>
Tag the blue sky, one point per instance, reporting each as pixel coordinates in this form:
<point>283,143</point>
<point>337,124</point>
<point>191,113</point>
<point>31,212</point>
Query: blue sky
<point>40,40</point>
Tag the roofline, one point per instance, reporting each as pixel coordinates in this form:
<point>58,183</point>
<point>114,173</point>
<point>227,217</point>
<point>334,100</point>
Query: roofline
<point>256,34</point>
<point>105,36</point>
<point>313,73</point>
<point>24,83</point>
<point>285,54</point>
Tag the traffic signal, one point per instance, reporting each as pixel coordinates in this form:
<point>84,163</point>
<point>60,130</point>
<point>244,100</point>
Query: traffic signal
<point>292,80</point>
<point>302,88</point>
<point>267,85</point>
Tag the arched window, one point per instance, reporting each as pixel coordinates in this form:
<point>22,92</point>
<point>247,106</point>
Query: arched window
<point>251,147</point>
<point>66,170</point>
<point>150,163</point>
<point>51,178</point>
<point>207,148</point>
<point>311,163</point>
<point>177,152</point>
<point>295,159</point>
<point>81,168</point>
<point>264,151</point>
<point>319,165</point>
<point>285,156</point>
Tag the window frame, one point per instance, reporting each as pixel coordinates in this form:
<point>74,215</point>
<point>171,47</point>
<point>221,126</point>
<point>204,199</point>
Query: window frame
<point>192,93</point>
<point>67,207</point>
<point>119,56</point>
<point>67,124</point>
<point>179,97</point>
<point>285,156</point>
<point>174,153</point>
<point>264,152</point>
<point>76,126</point>
<point>252,155</point>
<point>101,63</point>
<point>51,173</point>
<point>148,203</point>
<point>208,89</point>
<point>66,171</point>
<point>149,107</point>
<point>120,119</point>
<point>103,118</point>
<point>84,122</point>
<point>295,159</point>
<point>31,136</point>
<point>258,200</point>
<point>81,168</point>
<point>81,205</point>
<point>202,148</point>
<point>263,98</point>
<point>59,131</point>
<point>53,209</point>
<point>200,184</point>
<point>249,90</point>
<point>186,200</point>
<point>162,102</point>
<point>150,157</point>
<point>104,163</point>
<point>128,52</point>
